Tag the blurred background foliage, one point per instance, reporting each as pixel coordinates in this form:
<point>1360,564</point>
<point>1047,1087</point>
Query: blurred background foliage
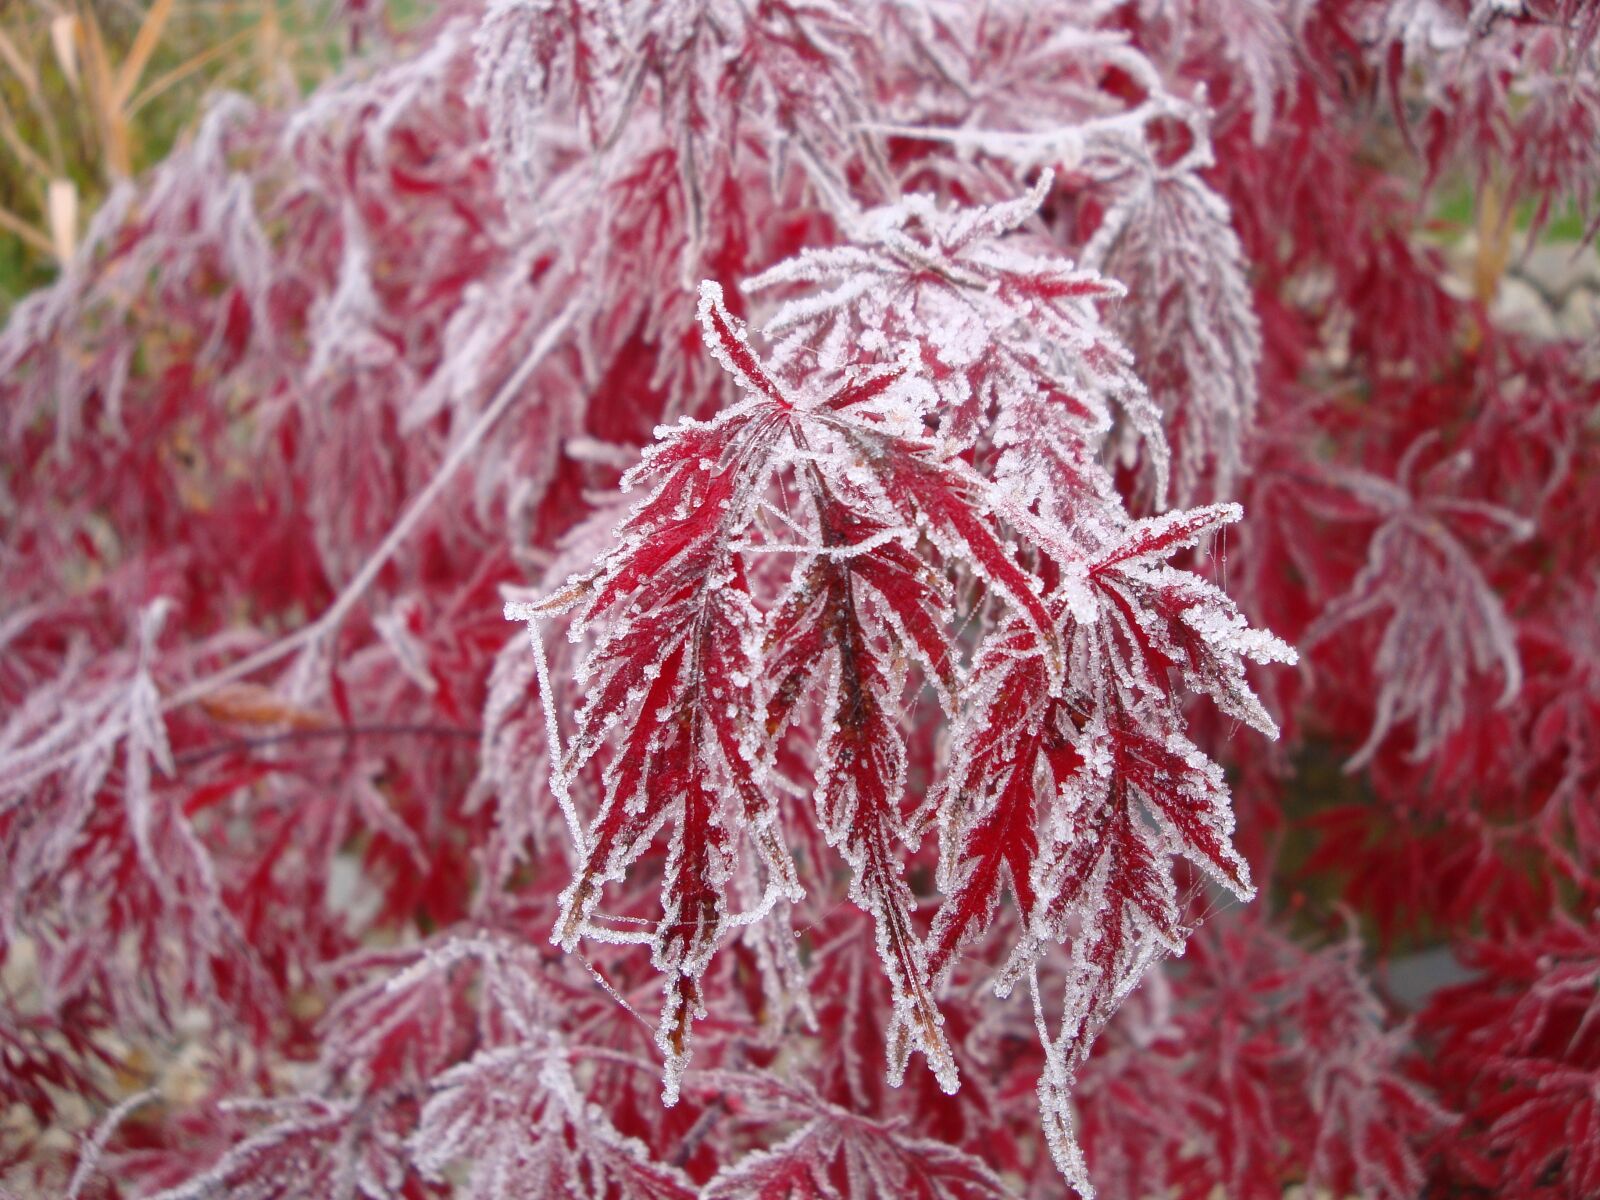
<point>93,91</point>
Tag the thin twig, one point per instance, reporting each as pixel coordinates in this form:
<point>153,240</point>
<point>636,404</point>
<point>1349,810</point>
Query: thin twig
<point>409,520</point>
<point>330,620</point>
<point>342,732</point>
<point>89,1159</point>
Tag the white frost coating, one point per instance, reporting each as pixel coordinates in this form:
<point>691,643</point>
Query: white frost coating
<point>897,535</point>
<point>529,614</point>
<point>89,1158</point>
<point>394,627</point>
<point>953,282</point>
<point>147,734</point>
<point>527,50</point>
<point>1228,630</point>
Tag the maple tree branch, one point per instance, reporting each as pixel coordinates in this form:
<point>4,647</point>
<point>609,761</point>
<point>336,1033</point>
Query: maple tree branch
<point>346,732</point>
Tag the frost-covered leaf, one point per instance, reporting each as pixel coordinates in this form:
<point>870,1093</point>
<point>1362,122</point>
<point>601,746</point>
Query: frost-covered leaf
<point>834,1155</point>
<point>990,321</point>
<point>1189,320</point>
<point>1445,625</point>
<point>673,672</point>
<point>833,626</point>
<point>515,1121</point>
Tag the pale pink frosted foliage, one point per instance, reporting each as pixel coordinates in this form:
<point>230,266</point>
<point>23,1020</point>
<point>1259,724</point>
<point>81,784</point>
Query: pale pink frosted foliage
<point>836,1153</point>
<point>516,1121</point>
<point>1446,630</point>
<point>1189,318</point>
<point>525,51</point>
<point>999,326</point>
<point>1255,37</point>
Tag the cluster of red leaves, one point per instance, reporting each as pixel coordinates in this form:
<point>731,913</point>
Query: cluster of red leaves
<point>901,683</point>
